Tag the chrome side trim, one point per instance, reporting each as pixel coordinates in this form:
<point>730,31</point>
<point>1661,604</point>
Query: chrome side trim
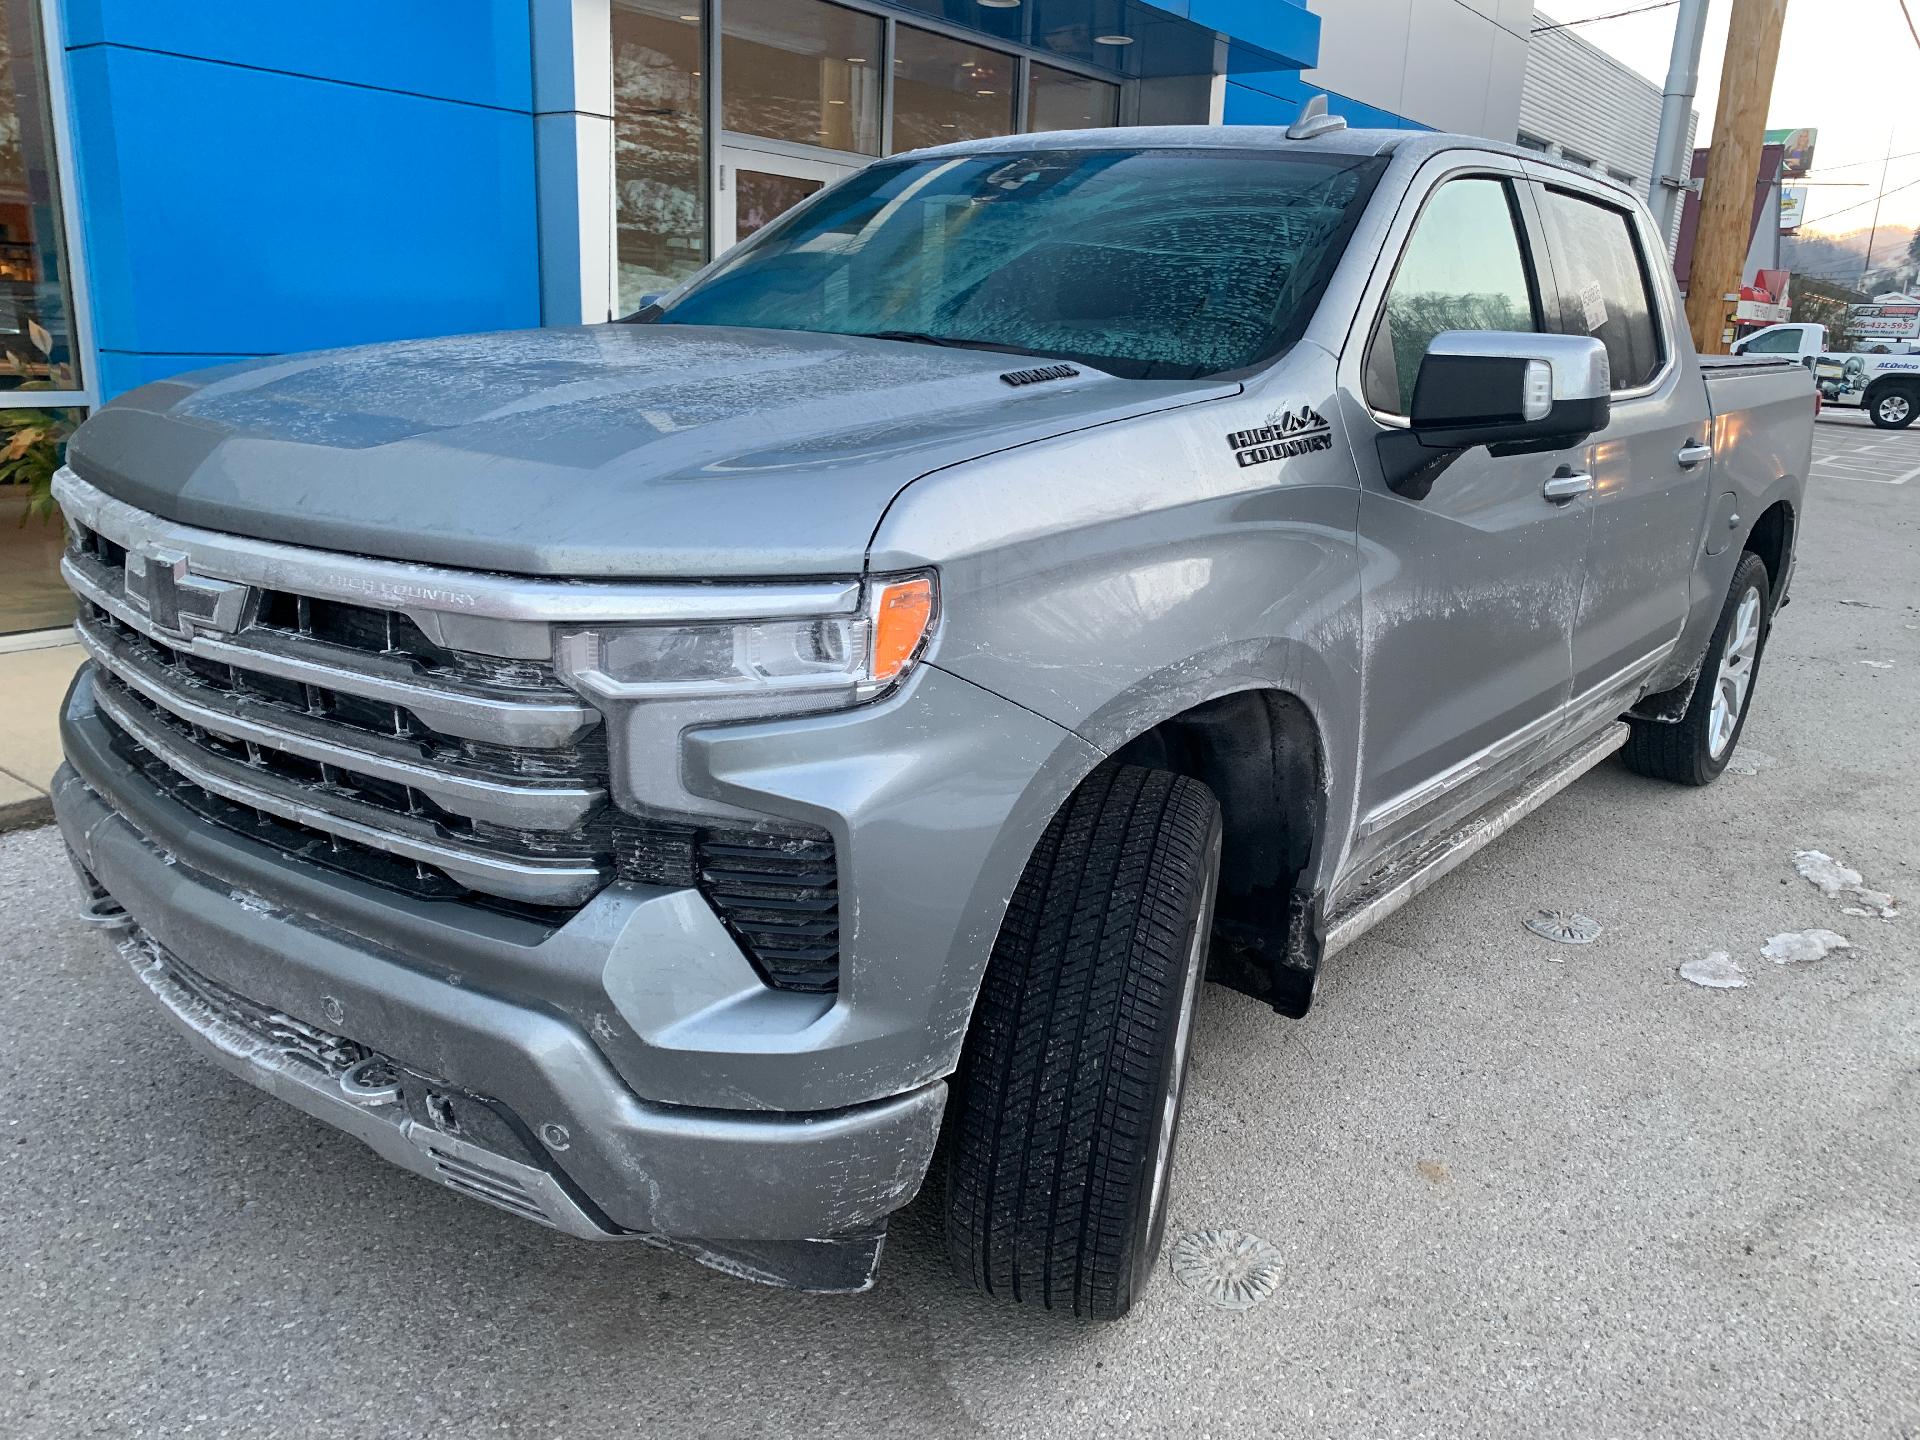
<point>525,804</point>
<point>1395,886</point>
<point>1458,774</point>
<point>1482,761</point>
<point>563,880</point>
<point>463,713</point>
<point>427,593</point>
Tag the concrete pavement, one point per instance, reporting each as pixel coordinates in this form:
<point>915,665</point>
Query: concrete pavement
<point>1518,1189</point>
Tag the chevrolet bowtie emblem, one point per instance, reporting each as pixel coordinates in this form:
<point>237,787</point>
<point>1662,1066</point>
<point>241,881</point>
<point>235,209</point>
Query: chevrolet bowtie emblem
<point>161,583</point>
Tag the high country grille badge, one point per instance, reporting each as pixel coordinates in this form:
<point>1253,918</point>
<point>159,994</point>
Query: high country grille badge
<point>1295,432</point>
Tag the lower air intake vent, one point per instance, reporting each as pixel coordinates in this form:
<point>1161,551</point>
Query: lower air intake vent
<point>778,892</point>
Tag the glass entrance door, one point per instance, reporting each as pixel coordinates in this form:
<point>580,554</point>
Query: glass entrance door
<point>760,183</point>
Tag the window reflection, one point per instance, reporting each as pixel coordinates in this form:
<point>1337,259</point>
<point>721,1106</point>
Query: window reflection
<point>32,444</point>
<point>659,149</point>
<point>946,90</point>
<point>35,338</point>
<point>803,71</point>
<point>1060,100</point>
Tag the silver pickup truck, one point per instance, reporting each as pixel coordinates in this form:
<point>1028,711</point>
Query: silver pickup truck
<point>665,778</point>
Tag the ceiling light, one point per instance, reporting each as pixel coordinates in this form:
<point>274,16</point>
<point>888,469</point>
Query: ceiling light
<point>983,92</point>
<point>1000,4</point>
<point>1113,39</point>
<point>856,59</point>
<point>690,19</point>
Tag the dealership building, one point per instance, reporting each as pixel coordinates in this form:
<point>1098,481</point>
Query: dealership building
<point>189,182</point>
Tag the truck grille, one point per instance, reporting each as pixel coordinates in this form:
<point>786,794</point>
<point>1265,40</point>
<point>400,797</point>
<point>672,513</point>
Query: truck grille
<point>266,689</point>
<point>343,732</point>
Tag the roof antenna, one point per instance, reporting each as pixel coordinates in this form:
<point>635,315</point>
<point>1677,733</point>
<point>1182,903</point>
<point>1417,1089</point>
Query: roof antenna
<point>1314,121</point>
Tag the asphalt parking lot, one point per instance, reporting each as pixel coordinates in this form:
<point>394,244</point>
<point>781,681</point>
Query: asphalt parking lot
<point>1517,1189</point>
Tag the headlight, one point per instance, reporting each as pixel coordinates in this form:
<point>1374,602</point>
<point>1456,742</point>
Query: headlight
<point>861,655</point>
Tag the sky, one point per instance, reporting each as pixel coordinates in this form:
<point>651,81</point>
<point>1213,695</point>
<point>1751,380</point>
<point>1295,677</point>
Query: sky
<point>1850,68</point>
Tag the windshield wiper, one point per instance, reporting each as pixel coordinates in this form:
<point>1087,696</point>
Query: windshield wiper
<point>916,337</point>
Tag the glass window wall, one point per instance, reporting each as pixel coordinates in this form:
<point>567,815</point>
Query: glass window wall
<point>1061,100</point>
<point>946,90</point>
<point>659,145</point>
<point>37,350</point>
<point>802,71</point>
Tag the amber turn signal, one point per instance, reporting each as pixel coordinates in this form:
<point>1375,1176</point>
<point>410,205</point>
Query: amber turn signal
<point>902,612</point>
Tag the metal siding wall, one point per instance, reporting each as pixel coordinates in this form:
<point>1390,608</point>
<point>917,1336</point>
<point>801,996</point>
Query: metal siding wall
<point>1442,64</point>
<point>1579,96</point>
<point>232,209</point>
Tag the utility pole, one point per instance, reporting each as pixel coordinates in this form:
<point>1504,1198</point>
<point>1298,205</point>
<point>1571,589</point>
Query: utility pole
<point>1672,162</point>
<point>1866,265</point>
<point>1726,201</point>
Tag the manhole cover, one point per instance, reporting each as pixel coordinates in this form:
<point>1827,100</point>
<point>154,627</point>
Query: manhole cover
<point>1228,1268</point>
<point>1563,926</point>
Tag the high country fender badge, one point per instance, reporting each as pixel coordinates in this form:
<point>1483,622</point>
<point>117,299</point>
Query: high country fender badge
<point>1040,376</point>
<point>1293,432</point>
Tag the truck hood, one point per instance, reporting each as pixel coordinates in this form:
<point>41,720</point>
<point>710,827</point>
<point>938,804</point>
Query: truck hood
<point>604,450</point>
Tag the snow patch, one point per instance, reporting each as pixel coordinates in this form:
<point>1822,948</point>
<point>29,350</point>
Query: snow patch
<point>1803,945</point>
<point>1878,664</point>
<point>1716,970</point>
<point>1750,762</point>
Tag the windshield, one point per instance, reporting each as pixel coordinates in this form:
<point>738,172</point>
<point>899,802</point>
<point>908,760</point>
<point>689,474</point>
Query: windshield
<point>1146,263</point>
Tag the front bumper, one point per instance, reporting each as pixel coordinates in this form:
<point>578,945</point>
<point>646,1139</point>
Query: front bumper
<point>752,1193</point>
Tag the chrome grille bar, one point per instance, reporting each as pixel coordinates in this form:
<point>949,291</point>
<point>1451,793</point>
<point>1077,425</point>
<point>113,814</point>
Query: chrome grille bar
<point>558,880</point>
<point>523,804</point>
<point>430,595</point>
<point>441,704</point>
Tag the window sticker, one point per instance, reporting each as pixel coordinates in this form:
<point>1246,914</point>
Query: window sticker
<point>1593,304</point>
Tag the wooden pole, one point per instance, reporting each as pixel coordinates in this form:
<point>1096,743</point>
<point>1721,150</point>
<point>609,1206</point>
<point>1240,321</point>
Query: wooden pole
<point>1733,166</point>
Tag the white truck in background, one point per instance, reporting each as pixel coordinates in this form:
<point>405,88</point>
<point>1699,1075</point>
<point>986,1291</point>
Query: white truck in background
<point>1885,384</point>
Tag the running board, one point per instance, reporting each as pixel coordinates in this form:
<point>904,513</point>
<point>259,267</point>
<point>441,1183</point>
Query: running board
<point>1393,887</point>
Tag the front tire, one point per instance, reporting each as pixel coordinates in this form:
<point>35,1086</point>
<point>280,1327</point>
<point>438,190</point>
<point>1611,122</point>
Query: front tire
<point>1067,1104</point>
<point>1696,750</point>
<point>1894,409</point>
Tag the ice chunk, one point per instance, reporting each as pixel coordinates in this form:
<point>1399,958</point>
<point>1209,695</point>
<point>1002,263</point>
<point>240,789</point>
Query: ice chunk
<point>1842,882</point>
<point>1804,945</point>
<point>1716,970</point>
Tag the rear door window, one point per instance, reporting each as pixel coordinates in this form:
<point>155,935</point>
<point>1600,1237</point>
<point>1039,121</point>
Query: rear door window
<point>1606,290</point>
<point>1780,342</point>
<point>1464,268</point>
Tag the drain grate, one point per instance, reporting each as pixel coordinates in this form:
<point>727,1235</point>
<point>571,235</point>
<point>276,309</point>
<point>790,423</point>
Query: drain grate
<point>1563,926</point>
<point>1228,1268</point>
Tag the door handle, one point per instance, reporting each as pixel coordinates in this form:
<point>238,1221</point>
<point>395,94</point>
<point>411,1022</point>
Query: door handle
<point>1567,485</point>
<point>1693,453</point>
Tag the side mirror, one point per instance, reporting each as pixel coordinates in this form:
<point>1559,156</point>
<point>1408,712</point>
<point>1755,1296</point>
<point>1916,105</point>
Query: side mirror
<point>1515,393</point>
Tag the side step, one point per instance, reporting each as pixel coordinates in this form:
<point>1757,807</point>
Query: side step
<point>1393,887</point>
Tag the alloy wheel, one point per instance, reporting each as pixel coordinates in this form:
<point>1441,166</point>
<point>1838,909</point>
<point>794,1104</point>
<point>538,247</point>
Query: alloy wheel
<point>1735,679</point>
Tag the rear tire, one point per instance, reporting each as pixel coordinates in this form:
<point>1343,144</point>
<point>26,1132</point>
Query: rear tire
<point>1696,750</point>
<point>1894,409</point>
<point>1067,1104</point>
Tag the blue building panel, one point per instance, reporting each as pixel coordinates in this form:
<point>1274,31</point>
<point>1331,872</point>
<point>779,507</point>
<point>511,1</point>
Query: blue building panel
<point>476,51</point>
<point>1285,29</point>
<point>232,211</point>
<point>1275,97</point>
